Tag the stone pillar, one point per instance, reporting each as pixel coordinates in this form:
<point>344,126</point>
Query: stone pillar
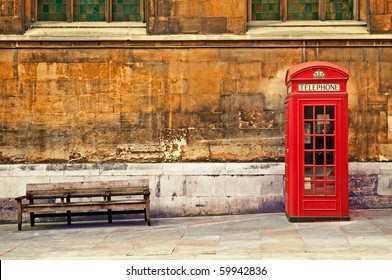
<point>11,17</point>
<point>203,17</point>
<point>380,16</point>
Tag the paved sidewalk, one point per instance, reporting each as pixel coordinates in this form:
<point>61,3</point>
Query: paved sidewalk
<point>261,236</point>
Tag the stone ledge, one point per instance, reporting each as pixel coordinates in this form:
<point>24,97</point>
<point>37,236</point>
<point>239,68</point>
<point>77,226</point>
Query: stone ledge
<point>138,34</point>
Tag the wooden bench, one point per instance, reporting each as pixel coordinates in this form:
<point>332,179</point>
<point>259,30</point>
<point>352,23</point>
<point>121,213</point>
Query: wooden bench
<point>85,198</point>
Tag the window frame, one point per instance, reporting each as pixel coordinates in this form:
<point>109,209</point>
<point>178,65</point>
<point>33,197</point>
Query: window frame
<point>31,11</point>
<point>322,11</point>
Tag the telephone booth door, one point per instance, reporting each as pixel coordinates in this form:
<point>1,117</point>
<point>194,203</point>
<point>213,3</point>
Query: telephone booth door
<point>316,179</point>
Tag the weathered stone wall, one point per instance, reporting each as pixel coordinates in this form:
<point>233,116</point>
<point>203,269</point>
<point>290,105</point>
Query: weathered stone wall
<point>143,105</point>
<point>203,17</point>
<point>11,17</point>
<point>161,103</point>
<point>380,16</point>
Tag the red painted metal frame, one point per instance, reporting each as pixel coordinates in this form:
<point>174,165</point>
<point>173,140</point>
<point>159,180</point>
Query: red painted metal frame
<point>299,206</point>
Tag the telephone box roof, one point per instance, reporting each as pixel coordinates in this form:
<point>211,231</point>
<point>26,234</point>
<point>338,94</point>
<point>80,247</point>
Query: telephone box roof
<point>305,71</point>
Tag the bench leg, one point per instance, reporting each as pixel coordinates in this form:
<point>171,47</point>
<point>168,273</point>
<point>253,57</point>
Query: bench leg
<point>68,212</point>
<point>32,219</point>
<point>19,207</point>
<point>147,216</point>
<point>110,218</point>
<point>68,217</point>
<point>147,213</point>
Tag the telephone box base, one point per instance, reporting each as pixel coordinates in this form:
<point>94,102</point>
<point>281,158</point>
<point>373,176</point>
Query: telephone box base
<point>315,219</point>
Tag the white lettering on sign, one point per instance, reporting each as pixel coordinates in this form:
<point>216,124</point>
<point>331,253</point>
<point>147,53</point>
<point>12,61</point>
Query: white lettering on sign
<point>319,87</point>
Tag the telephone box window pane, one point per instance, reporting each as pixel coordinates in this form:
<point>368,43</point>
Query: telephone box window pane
<point>308,141</point>
<point>308,187</point>
<point>319,142</point>
<point>89,10</point>
<point>319,158</point>
<point>308,129</point>
<point>320,112</point>
<point>330,158</point>
<point>330,142</point>
<point>308,138</point>
<point>320,172</point>
<point>52,10</point>
<point>302,9</point>
<point>308,112</point>
<point>320,127</point>
<point>331,189</point>
<point>308,157</point>
<point>319,188</point>
<point>330,127</point>
<point>339,9</point>
<point>265,9</point>
<point>330,111</point>
<point>309,173</point>
<point>330,173</point>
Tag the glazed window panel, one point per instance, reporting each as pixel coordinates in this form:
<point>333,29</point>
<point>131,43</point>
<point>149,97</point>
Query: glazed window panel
<point>126,10</point>
<point>303,10</point>
<point>266,9</point>
<point>339,9</point>
<point>52,10</point>
<point>89,10</point>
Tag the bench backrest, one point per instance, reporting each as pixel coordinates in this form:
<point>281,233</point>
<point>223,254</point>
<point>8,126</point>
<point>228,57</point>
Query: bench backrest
<point>128,187</point>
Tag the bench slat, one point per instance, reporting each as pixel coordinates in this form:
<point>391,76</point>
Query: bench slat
<point>90,192</point>
<point>134,183</point>
<point>42,207</point>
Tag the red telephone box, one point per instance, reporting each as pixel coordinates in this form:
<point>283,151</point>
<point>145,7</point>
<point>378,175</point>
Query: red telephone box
<point>316,140</point>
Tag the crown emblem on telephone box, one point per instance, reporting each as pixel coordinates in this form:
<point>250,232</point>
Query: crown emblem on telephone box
<point>319,74</point>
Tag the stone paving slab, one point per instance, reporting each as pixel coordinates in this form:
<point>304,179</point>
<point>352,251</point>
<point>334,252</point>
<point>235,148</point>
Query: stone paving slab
<point>368,235</point>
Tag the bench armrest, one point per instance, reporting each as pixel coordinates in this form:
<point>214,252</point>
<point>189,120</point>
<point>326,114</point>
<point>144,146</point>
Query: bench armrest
<point>20,198</point>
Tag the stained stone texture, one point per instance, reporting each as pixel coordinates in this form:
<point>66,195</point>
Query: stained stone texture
<point>207,17</point>
<point>380,16</point>
<point>11,17</point>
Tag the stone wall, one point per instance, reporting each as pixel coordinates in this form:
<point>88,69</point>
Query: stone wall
<point>143,105</point>
<point>159,103</point>
<point>203,17</point>
<point>74,110</point>
<point>11,17</point>
<point>380,16</point>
